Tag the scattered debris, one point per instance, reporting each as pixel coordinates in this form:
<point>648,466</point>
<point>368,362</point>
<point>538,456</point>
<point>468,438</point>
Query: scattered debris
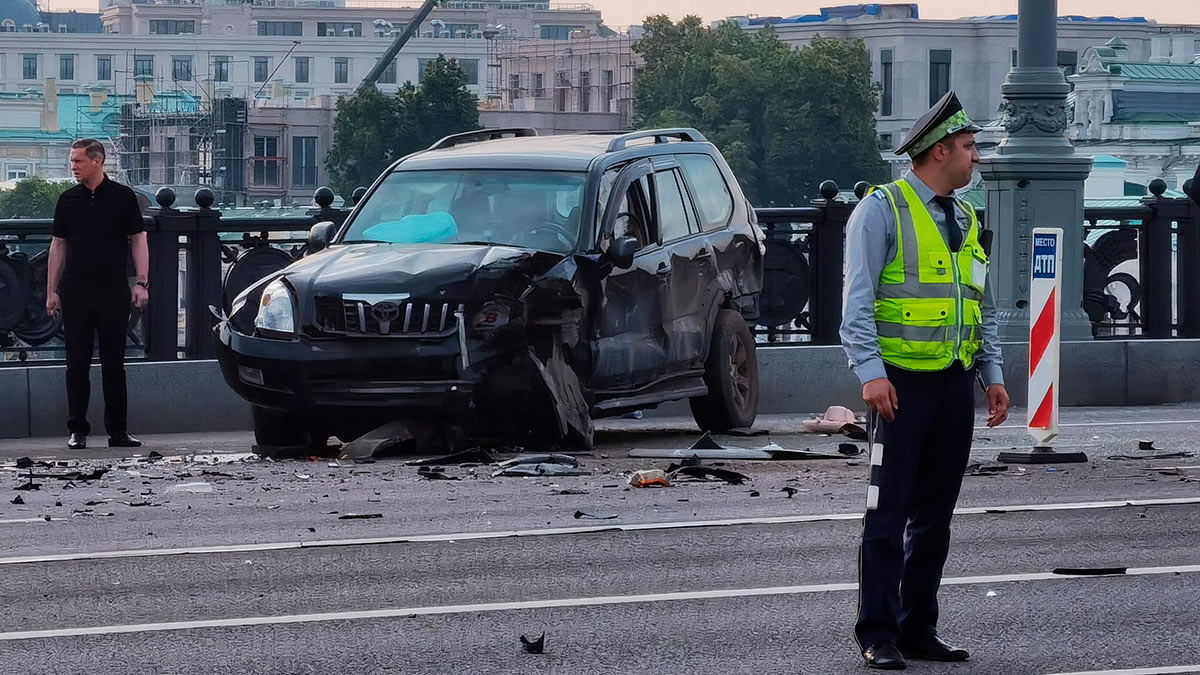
<point>746,432</point>
<point>571,491</point>
<point>849,449</point>
<point>985,469</point>
<point>706,472</point>
<point>754,493</point>
<point>360,516</point>
<point>154,455</point>
<point>1145,445</point>
<point>195,487</point>
<point>838,420</point>
<point>400,436</point>
<point>596,515</point>
<point>990,594</point>
<point>790,491</point>
<point>534,646</point>
<point>706,442</point>
<point>17,500</point>
<point>649,478</point>
<point>24,463</point>
<point>701,453</point>
<point>434,473</point>
<point>1089,571</point>
<point>29,486</point>
<point>301,476</point>
<point>1164,455</point>
<point>549,464</point>
<point>472,456</point>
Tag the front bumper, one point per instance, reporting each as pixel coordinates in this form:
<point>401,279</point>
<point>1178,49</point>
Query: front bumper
<point>306,374</point>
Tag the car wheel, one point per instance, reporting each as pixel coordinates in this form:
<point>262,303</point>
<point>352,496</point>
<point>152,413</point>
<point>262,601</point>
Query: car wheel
<point>278,429</point>
<point>731,373</point>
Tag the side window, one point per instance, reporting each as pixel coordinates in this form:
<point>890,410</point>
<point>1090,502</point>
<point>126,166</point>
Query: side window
<point>712,195</point>
<point>633,202</point>
<point>672,208</point>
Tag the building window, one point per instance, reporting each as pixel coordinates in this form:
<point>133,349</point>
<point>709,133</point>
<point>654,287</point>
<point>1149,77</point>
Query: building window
<point>461,30</point>
<point>885,79</point>
<point>562,88</point>
<point>514,86</point>
<point>1068,61</point>
<point>103,67</point>
<point>539,85</point>
<point>302,66</point>
<point>143,66</point>
<point>16,171</point>
<point>8,26</point>
<point>341,70</point>
<point>220,69</point>
<point>29,66</point>
<point>266,160</point>
<point>262,67</point>
<point>388,76</point>
<point>280,28</point>
<point>169,178</point>
<point>558,32</point>
<point>471,68</point>
<point>66,67</point>
<point>339,29</point>
<point>939,74</point>
<point>585,91</point>
<point>181,68</point>
<point>610,91</point>
<point>304,161</point>
<point>171,27</point>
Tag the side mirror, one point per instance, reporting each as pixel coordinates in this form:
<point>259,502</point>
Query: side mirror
<point>319,236</point>
<point>621,251</point>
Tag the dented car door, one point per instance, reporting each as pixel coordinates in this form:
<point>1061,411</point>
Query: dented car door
<point>630,345</point>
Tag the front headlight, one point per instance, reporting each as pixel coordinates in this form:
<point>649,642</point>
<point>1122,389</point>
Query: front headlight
<point>276,311</point>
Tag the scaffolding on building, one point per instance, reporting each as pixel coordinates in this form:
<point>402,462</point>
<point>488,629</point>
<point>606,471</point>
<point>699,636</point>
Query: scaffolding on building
<point>585,73</point>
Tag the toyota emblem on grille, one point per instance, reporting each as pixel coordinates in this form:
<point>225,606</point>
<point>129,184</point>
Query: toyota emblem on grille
<point>385,313</point>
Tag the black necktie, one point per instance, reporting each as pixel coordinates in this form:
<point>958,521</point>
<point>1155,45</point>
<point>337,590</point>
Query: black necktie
<point>947,204</point>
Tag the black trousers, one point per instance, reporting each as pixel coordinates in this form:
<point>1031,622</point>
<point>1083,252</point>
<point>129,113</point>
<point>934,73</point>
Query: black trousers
<point>92,311</point>
<point>906,538</point>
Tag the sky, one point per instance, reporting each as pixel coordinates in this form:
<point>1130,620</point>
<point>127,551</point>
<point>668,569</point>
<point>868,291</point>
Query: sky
<point>630,12</point>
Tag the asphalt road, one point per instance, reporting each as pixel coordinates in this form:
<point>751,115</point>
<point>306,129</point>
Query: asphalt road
<point>695,578</point>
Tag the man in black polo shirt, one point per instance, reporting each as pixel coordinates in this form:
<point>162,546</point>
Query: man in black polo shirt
<point>96,223</point>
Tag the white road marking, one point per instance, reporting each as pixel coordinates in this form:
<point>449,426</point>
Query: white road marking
<point>541,604</point>
<point>1159,670</point>
<point>559,531</point>
<point>1021,427</point>
<point>24,520</point>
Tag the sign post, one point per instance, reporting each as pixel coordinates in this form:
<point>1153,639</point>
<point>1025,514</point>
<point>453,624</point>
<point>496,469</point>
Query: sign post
<point>1045,328</point>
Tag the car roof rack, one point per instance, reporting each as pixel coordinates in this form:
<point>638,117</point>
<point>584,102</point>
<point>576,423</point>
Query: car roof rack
<point>659,136</point>
<point>482,135</point>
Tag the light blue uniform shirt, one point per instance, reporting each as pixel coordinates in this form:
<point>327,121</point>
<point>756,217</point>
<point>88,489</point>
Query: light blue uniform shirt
<point>870,244</point>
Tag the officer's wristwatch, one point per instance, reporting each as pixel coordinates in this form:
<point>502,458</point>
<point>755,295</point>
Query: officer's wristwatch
<point>144,285</point>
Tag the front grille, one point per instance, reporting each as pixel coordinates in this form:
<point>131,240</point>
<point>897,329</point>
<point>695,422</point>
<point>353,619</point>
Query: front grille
<point>399,318</point>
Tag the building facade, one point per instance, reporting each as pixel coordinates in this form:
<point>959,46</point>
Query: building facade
<point>917,60</point>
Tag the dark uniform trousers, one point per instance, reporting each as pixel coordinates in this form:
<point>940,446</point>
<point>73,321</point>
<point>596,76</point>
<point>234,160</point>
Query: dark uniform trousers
<point>906,538</point>
<point>92,311</point>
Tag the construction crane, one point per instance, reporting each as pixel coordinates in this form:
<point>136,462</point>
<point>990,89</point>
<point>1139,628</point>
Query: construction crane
<point>413,26</point>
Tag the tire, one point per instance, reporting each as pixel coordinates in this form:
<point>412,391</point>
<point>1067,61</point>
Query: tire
<point>278,429</point>
<point>731,373</point>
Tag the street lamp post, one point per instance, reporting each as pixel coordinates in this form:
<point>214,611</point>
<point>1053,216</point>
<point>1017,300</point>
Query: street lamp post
<point>1035,179</point>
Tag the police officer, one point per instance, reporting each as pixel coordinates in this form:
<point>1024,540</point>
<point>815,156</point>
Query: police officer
<point>918,324</point>
<point>96,224</point>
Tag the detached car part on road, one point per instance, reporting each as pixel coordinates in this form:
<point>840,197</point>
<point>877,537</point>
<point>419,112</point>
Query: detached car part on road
<point>510,287</point>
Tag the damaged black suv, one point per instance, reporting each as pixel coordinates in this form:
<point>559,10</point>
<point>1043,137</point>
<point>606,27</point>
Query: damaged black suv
<point>503,285</point>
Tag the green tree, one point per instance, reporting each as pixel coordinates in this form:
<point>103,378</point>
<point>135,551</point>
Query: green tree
<point>371,129</point>
<point>785,119</point>
<point>32,197</point>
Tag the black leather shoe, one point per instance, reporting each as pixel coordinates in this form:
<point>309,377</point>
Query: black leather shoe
<point>932,648</point>
<point>884,656</point>
<point>123,441</point>
<point>77,441</point>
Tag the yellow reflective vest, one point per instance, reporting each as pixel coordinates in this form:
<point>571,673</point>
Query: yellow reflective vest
<point>928,305</point>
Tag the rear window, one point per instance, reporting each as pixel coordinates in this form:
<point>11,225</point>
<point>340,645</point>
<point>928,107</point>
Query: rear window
<point>711,193</point>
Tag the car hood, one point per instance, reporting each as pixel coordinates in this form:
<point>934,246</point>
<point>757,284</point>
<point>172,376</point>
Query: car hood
<point>427,271</point>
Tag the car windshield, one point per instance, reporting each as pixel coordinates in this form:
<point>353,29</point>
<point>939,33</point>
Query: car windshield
<point>528,209</point>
